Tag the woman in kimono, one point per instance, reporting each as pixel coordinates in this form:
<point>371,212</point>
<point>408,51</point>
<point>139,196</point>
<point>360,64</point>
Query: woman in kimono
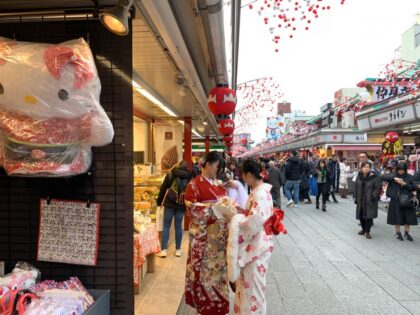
<point>255,246</point>
<point>206,285</point>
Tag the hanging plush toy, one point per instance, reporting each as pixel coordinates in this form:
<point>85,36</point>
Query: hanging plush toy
<point>50,115</point>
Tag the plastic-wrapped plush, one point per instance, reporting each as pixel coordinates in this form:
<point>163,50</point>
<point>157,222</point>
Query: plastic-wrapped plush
<point>50,115</point>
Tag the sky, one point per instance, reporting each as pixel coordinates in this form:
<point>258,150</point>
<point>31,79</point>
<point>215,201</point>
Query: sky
<point>343,46</point>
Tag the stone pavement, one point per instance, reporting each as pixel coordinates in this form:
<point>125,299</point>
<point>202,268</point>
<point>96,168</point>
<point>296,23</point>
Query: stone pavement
<point>324,267</point>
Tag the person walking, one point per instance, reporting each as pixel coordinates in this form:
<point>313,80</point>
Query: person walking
<point>367,193</point>
<point>171,197</point>
<point>401,209</point>
<point>334,169</point>
<point>304,183</point>
<point>274,179</point>
<point>294,171</point>
<point>344,175</point>
<point>206,280</point>
<point>322,174</point>
<point>255,246</point>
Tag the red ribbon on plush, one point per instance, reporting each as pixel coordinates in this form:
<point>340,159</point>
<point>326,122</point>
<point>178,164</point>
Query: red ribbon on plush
<point>274,224</point>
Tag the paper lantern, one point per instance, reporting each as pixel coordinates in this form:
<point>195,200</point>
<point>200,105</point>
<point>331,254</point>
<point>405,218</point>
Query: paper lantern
<point>226,127</point>
<point>222,100</point>
<point>392,136</point>
<point>228,139</point>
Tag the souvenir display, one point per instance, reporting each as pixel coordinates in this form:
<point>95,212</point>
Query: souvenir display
<point>69,232</point>
<point>69,297</point>
<point>50,115</point>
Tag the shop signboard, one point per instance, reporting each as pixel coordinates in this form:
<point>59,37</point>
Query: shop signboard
<point>331,138</point>
<point>355,138</point>
<point>392,117</point>
<point>417,108</point>
<point>363,123</point>
<point>381,92</point>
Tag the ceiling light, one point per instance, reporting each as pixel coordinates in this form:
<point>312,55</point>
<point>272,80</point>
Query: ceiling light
<point>153,99</point>
<point>205,123</point>
<point>181,122</point>
<point>196,133</point>
<point>116,18</point>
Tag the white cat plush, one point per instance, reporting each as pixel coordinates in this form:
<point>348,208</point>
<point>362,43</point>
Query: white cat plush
<point>50,115</point>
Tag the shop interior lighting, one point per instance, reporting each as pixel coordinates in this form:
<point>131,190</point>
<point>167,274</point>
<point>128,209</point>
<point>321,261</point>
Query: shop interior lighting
<point>153,99</point>
<point>116,18</point>
<point>196,133</point>
<point>205,123</point>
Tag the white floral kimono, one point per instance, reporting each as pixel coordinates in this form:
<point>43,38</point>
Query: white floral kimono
<point>250,247</point>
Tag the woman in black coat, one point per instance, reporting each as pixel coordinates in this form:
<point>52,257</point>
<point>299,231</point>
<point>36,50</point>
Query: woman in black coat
<point>368,186</point>
<point>401,211</point>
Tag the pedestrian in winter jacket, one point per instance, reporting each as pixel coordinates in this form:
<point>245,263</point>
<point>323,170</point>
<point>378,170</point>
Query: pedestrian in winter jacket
<point>294,171</point>
<point>171,196</point>
<point>367,192</point>
<point>334,169</point>
<point>401,210</point>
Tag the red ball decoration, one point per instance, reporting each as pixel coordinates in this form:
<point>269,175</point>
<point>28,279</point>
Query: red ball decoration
<point>226,127</point>
<point>392,136</point>
<point>222,101</point>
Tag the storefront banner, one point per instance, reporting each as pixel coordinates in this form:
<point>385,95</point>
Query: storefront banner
<point>363,123</point>
<point>331,138</point>
<point>418,109</point>
<point>385,92</point>
<point>392,117</point>
<point>355,138</point>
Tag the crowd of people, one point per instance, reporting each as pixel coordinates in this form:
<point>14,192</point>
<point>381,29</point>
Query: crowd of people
<point>256,187</point>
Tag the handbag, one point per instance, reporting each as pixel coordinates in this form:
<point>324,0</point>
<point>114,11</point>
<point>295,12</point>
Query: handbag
<point>404,200</point>
<point>274,224</point>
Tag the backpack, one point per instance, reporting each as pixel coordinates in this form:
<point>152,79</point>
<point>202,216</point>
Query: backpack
<point>176,192</point>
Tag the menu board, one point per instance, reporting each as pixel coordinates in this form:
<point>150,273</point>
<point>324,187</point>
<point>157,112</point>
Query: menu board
<point>68,232</point>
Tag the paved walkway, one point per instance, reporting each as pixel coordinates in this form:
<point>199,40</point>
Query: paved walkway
<point>323,267</point>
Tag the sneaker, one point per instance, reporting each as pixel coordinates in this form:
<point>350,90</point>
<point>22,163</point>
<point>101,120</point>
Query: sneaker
<point>162,254</point>
<point>290,203</point>
<point>178,253</point>
<point>335,201</point>
<point>408,236</point>
<point>399,236</point>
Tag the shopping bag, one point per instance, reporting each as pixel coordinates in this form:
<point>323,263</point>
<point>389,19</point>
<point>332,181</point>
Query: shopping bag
<point>313,187</point>
<point>159,218</point>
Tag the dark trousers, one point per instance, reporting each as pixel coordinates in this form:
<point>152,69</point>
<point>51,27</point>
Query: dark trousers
<point>322,190</point>
<point>366,224</point>
<point>304,195</point>
<point>331,191</point>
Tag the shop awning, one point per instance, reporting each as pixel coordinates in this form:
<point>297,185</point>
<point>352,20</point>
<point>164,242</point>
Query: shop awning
<point>357,147</point>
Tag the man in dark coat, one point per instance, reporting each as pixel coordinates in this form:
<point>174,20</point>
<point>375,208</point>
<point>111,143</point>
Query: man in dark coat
<point>368,186</point>
<point>304,184</point>
<point>274,179</point>
<point>294,171</point>
<point>334,169</point>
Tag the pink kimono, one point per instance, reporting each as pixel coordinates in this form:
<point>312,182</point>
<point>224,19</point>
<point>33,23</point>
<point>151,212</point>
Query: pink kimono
<point>255,248</point>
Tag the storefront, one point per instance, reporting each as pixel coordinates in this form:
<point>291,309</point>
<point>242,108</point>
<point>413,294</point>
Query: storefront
<point>155,83</point>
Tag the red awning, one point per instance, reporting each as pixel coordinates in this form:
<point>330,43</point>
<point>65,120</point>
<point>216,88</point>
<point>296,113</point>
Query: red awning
<point>357,147</point>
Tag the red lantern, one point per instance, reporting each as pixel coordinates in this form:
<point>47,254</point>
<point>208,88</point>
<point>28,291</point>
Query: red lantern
<point>226,127</point>
<point>392,136</point>
<point>228,139</point>
<point>222,101</point>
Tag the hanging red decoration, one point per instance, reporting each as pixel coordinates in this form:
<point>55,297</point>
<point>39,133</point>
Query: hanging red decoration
<point>230,153</point>
<point>228,139</point>
<point>226,127</point>
<point>244,141</point>
<point>392,136</point>
<point>222,100</point>
<point>229,144</point>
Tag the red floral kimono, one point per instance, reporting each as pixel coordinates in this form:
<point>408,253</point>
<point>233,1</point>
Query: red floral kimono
<point>206,284</point>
